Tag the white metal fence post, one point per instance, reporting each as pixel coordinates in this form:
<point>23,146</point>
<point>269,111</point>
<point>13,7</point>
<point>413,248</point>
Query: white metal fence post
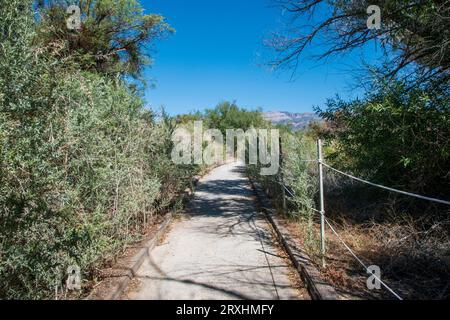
<point>322,207</point>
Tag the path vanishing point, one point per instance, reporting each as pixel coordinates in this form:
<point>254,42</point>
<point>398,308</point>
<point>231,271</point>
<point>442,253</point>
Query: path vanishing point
<point>221,248</point>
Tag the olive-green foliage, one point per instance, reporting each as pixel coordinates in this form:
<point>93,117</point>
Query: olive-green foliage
<point>228,115</point>
<point>298,175</point>
<point>189,118</point>
<point>82,164</point>
<point>114,37</point>
<point>299,172</point>
<point>394,136</point>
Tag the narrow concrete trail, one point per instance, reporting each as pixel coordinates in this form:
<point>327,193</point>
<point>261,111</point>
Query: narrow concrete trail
<point>221,249</point>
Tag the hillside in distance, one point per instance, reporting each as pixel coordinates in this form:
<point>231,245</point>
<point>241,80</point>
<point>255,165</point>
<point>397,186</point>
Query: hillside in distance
<point>296,120</point>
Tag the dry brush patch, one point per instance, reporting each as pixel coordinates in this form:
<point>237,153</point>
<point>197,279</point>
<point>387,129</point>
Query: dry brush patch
<point>414,258</point>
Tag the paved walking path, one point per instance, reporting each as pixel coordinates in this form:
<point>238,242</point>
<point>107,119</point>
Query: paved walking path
<point>222,249</point>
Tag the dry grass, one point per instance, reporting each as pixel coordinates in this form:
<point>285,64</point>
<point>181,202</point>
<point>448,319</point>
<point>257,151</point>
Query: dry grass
<point>414,261</point>
<point>408,239</point>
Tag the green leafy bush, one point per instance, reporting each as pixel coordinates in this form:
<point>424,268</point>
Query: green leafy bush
<point>299,175</point>
<point>83,165</point>
<point>395,136</point>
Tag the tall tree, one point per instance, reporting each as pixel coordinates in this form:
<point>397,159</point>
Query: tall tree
<point>114,36</point>
<point>416,31</point>
<point>228,115</point>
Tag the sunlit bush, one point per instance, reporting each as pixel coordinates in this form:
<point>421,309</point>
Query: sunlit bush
<point>83,165</point>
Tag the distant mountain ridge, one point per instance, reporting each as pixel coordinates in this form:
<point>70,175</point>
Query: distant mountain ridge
<point>296,120</point>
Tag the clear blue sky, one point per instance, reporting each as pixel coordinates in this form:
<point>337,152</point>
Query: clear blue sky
<point>217,52</point>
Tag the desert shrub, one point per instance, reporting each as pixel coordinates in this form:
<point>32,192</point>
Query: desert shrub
<point>298,174</point>
<point>94,172</point>
<point>299,170</point>
<point>83,165</point>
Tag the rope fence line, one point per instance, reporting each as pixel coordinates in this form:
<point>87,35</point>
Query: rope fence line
<point>349,249</point>
<point>286,188</point>
<point>324,220</point>
<point>315,210</point>
<point>293,195</point>
<point>360,261</point>
<point>386,188</point>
